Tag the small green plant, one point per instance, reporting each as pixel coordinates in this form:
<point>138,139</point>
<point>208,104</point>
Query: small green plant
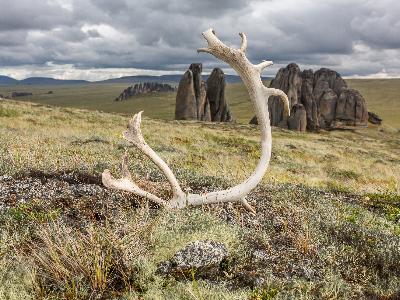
<point>8,112</point>
<point>387,202</point>
<point>265,293</point>
<point>343,174</point>
<point>195,286</point>
<point>34,211</point>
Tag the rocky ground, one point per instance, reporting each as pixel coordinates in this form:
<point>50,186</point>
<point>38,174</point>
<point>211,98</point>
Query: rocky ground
<point>287,242</point>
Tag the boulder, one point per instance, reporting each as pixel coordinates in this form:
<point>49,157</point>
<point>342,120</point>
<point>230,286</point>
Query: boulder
<point>216,96</point>
<point>374,118</point>
<point>298,118</point>
<point>351,109</point>
<point>204,258</point>
<point>186,104</point>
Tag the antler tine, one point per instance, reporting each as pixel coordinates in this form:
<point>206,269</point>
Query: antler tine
<point>243,47</point>
<point>264,64</point>
<point>135,137</point>
<point>283,96</point>
<point>126,183</point>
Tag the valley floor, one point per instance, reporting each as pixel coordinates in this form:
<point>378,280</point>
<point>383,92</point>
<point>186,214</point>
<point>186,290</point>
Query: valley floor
<point>327,223</point>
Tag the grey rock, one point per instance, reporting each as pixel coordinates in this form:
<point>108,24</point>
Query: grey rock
<point>308,100</point>
<point>191,99</point>
<point>260,255</point>
<point>203,109</point>
<point>202,257</point>
<point>351,109</point>
<point>219,108</point>
<point>20,94</point>
<point>288,80</point>
<point>143,88</point>
<point>322,96</point>
<point>374,118</point>
<point>325,79</point>
<point>196,69</point>
<point>298,118</point>
<point>327,107</point>
<point>186,104</point>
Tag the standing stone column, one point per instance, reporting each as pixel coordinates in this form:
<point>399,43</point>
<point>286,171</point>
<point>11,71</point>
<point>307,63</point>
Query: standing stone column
<point>186,103</point>
<point>288,80</point>
<point>219,108</point>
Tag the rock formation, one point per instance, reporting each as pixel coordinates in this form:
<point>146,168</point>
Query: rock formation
<point>351,109</point>
<point>143,88</point>
<point>317,100</point>
<point>198,100</point>
<point>191,98</point>
<point>216,96</point>
<point>298,118</point>
<point>20,94</point>
<point>288,80</point>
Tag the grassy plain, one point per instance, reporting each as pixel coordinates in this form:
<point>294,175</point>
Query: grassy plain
<point>382,97</point>
<point>327,227</point>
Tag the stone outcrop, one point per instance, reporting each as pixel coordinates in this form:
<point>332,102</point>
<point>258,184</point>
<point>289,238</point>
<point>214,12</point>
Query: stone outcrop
<point>288,80</point>
<point>308,99</point>
<point>298,118</point>
<point>20,94</point>
<point>186,106</point>
<point>144,88</point>
<point>191,98</point>
<point>201,257</point>
<point>200,100</point>
<point>216,96</point>
<point>319,100</point>
<point>351,109</point>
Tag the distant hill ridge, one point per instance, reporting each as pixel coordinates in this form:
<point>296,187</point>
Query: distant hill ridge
<point>6,80</point>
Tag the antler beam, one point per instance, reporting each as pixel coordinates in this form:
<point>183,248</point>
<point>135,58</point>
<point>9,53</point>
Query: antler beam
<point>251,77</point>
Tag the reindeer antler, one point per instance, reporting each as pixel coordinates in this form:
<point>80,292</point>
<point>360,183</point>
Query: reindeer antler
<point>251,76</point>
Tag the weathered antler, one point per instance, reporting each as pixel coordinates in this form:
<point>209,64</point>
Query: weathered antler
<point>251,76</point>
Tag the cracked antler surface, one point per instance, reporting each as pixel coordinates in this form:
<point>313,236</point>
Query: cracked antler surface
<point>251,77</point>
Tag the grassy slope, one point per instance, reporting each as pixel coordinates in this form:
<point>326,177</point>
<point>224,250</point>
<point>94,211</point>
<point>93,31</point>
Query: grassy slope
<point>382,97</point>
<point>348,163</point>
<point>361,161</point>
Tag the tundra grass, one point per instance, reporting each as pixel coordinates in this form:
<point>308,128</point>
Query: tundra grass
<point>381,95</point>
<point>328,210</point>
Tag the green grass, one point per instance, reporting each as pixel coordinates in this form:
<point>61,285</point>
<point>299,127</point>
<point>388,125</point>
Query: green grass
<point>361,161</point>
<point>382,97</point>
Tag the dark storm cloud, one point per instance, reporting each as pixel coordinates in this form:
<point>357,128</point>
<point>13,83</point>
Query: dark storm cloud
<point>354,37</point>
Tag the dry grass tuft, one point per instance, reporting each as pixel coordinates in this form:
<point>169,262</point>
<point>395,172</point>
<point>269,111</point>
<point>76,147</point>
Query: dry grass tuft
<point>96,262</point>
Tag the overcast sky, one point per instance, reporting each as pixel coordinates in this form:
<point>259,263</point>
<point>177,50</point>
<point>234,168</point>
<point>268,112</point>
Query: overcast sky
<point>98,39</point>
